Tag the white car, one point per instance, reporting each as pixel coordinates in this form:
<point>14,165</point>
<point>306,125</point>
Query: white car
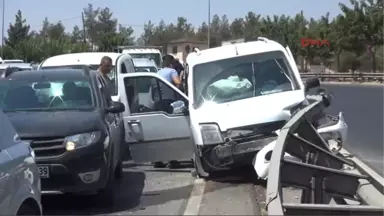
<point>122,63</point>
<point>20,185</point>
<point>239,95</point>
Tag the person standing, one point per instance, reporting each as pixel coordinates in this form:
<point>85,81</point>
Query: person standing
<point>104,69</point>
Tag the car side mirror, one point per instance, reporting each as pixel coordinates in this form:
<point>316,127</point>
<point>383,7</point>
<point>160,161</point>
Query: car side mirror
<point>311,83</point>
<point>178,107</point>
<point>116,107</point>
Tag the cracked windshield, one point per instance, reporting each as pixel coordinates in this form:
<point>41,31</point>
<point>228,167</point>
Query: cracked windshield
<point>191,107</point>
<point>242,77</point>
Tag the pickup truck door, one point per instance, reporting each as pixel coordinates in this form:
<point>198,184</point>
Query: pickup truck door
<point>154,135</point>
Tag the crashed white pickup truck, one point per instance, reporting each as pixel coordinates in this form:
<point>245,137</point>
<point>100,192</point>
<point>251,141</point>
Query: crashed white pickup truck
<point>240,95</point>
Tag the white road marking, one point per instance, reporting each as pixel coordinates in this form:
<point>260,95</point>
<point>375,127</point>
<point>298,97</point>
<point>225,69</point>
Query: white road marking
<point>194,201</point>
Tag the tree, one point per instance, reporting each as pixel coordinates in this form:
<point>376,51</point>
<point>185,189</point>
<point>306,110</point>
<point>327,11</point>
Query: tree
<point>17,31</point>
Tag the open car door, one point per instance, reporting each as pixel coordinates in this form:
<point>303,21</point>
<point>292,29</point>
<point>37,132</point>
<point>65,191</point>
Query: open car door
<point>157,129</point>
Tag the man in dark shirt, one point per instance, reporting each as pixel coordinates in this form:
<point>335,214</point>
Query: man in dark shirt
<point>104,69</point>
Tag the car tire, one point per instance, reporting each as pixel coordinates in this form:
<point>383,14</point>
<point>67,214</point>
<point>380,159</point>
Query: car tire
<point>26,209</point>
<point>106,196</point>
<point>119,172</point>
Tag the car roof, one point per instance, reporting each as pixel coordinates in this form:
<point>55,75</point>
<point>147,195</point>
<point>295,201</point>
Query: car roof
<point>51,74</point>
<point>85,58</point>
<point>233,50</point>
<point>19,65</point>
<point>143,62</point>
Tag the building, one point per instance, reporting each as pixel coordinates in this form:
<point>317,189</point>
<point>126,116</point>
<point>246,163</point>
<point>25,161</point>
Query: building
<point>182,47</point>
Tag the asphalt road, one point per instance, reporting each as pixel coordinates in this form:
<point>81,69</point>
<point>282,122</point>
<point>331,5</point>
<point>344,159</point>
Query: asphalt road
<point>148,191</point>
<point>362,106</point>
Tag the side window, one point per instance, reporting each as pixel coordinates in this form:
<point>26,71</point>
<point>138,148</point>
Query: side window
<point>7,132</point>
<point>129,66</point>
<point>123,68</point>
<point>148,94</point>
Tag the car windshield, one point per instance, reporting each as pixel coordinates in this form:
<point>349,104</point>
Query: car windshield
<point>242,77</point>
<point>45,95</point>
<point>145,69</point>
<point>155,56</point>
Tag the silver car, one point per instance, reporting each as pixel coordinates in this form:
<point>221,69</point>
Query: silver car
<point>20,191</point>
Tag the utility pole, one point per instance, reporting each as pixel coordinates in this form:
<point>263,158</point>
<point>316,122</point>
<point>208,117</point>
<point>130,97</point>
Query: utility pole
<point>2,32</point>
<point>84,31</point>
<point>209,23</point>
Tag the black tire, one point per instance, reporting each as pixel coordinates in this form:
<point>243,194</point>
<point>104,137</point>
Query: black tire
<point>26,209</point>
<point>106,196</point>
<point>159,164</point>
<point>119,172</point>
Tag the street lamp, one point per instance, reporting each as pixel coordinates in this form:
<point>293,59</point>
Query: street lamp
<point>2,32</point>
<point>209,23</point>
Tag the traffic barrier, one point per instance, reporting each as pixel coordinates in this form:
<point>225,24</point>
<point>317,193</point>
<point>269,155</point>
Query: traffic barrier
<point>345,77</point>
<point>329,184</point>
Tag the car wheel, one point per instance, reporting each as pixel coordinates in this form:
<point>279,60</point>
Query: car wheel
<point>26,209</point>
<point>119,172</point>
<point>106,195</point>
<point>159,164</point>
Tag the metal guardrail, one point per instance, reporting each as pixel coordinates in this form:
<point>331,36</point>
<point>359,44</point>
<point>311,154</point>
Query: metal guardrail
<point>329,184</point>
<point>357,77</point>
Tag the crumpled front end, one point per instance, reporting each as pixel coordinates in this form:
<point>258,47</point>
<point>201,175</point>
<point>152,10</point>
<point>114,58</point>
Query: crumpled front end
<point>333,130</point>
<point>239,145</point>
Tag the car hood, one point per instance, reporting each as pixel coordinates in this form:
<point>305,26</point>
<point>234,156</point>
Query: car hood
<point>251,111</point>
<point>53,124</point>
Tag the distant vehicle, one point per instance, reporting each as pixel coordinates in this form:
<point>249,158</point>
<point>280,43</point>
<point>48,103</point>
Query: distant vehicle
<point>151,52</point>
<point>15,67</point>
<point>122,63</point>
<point>12,61</point>
<point>19,177</point>
<point>144,65</point>
<point>72,125</point>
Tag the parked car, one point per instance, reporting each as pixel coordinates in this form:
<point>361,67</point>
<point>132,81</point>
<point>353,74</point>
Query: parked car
<point>73,126</point>
<point>144,65</point>
<point>19,177</point>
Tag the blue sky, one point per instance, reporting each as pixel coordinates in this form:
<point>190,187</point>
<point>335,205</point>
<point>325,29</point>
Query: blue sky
<point>137,12</point>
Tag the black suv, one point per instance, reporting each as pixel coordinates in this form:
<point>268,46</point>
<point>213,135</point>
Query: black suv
<point>72,125</point>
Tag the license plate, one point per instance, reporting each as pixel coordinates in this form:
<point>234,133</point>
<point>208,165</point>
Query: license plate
<point>43,171</point>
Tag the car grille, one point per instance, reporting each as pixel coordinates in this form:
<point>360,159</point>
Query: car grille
<point>47,146</point>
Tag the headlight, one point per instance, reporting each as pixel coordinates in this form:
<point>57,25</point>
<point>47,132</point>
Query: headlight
<point>81,140</point>
<point>211,134</point>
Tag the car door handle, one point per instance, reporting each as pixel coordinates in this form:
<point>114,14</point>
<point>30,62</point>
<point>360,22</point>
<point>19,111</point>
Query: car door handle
<point>134,121</point>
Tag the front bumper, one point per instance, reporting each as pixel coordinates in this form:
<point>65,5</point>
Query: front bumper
<point>82,170</point>
<point>235,152</point>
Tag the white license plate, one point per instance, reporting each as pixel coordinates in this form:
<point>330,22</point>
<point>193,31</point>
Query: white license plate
<point>43,171</point>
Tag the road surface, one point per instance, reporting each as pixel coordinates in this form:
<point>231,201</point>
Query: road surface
<point>149,191</point>
<point>362,106</point>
